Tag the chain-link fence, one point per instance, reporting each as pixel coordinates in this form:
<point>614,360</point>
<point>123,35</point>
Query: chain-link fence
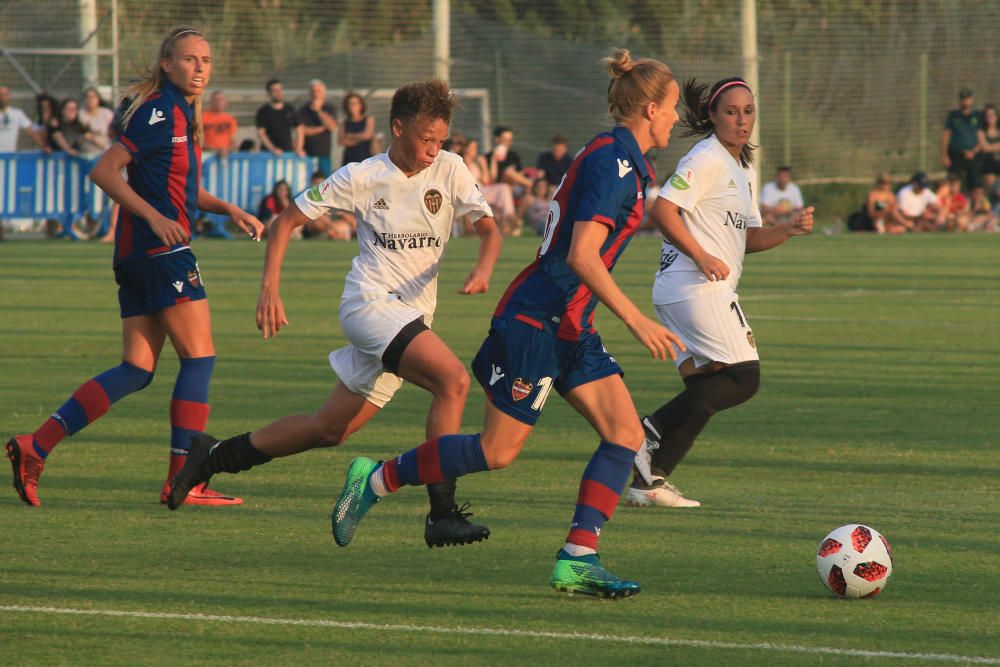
<point>846,88</point>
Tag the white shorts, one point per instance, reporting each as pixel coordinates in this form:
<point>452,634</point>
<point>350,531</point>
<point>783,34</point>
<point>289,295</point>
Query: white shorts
<point>712,327</point>
<point>370,324</point>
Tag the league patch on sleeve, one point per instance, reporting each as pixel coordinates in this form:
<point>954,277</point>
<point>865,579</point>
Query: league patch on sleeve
<point>679,182</point>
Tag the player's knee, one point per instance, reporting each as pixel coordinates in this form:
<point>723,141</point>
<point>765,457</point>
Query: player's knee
<point>328,435</point>
<point>746,377</point>
<point>453,384</point>
<point>500,455</point>
<point>137,378</point>
<point>627,435</point>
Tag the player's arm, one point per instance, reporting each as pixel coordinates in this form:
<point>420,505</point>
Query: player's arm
<point>248,223</point>
<point>764,238</point>
<point>585,259</point>
<point>300,139</point>
<point>270,309</point>
<point>666,215</point>
<point>266,142</point>
<point>107,175</point>
<point>490,243</point>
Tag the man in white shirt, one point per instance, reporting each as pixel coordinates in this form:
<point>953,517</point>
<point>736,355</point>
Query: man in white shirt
<point>780,200</point>
<point>916,206</point>
<point>12,121</point>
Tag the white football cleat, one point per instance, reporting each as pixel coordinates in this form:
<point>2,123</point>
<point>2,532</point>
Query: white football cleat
<point>660,493</point>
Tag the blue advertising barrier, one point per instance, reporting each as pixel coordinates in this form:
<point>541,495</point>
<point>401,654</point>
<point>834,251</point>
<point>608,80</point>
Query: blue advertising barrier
<point>56,187</point>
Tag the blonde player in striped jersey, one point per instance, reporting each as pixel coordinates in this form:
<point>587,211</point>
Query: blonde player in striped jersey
<point>406,201</point>
<point>708,214</point>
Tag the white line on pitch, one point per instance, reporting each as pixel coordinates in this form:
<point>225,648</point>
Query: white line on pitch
<point>504,632</point>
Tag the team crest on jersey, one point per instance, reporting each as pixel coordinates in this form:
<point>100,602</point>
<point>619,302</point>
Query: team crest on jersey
<point>679,182</point>
<point>521,389</point>
<point>194,278</point>
<point>433,200</point>
<point>750,340</point>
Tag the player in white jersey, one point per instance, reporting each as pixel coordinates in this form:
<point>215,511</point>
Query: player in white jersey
<point>708,214</point>
<point>405,201</point>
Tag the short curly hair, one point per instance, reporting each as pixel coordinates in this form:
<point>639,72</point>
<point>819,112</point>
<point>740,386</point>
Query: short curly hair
<point>430,98</point>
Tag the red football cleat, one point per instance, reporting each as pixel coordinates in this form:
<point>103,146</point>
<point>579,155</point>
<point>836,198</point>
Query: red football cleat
<point>28,467</point>
<point>201,495</point>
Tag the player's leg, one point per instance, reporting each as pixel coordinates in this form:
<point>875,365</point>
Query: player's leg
<point>189,326</point>
<point>343,413</point>
<point>419,356</point>
<point>720,369</point>
<point>607,405</point>
<point>516,383</point>
<point>142,340</point>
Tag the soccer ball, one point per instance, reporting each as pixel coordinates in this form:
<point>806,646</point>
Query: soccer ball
<point>854,561</point>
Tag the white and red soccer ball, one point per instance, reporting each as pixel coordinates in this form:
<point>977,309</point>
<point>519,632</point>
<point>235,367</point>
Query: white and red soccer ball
<point>854,561</point>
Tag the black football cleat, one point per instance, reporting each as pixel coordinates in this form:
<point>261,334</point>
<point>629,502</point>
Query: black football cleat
<point>191,475</point>
<point>454,529</point>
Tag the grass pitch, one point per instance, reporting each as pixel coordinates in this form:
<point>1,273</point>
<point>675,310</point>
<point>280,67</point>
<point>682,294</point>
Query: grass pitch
<point>879,404</point>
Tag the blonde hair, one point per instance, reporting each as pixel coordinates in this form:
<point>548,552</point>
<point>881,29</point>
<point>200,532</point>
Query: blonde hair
<point>154,77</point>
<point>634,83</point>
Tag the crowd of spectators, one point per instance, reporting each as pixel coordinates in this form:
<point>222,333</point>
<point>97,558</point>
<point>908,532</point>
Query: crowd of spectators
<point>967,199</point>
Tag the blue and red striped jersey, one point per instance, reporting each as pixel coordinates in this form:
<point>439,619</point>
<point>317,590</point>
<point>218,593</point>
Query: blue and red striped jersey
<point>165,171</point>
<point>606,183</point>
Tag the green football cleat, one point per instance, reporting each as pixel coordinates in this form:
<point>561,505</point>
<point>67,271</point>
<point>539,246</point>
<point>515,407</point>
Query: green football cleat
<point>586,575</point>
<point>355,500</point>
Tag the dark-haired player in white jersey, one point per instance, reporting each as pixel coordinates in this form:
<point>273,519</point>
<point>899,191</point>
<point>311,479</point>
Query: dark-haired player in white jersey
<point>405,201</point>
<point>708,214</point>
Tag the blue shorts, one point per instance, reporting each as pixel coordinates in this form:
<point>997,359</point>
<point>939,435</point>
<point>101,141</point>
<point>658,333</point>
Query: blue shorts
<point>150,284</point>
<point>519,364</point>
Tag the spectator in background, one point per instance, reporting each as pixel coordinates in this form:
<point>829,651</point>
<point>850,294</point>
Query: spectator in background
<point>981,215</point>
<point>880,206</point>
<point>97,118</point>
<point>276,202</point>
<point>780,200</point>
<point>536,205</point>
<point>48,120</point>
<point>954,205</point>
<point>335,225</point>
<point>505,161</point>
<point>960,140</point>
<point>70,135</point>
<point>357,131</point>
<point>553,163</point>
<point>498,195</point>
<point>12,122</point>
<point>220,127</point>
<point>247,146</point>
<point>278,125</point>
<point>916,206</point>
<point>989,141</point>
<point>318,122</point>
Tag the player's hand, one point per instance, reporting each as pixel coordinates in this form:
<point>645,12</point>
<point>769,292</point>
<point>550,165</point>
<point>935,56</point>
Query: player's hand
<point>476,283</point>
<point>659,340</point>
<point>713,267</point>
<point>802,223</point>
<point>168,231</point>
<point>253,227</point>
<point>270,313</point>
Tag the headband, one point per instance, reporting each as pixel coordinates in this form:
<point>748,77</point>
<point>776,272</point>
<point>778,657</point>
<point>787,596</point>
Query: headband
<point>727,85</point>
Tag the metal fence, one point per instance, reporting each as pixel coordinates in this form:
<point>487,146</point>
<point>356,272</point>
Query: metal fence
<point>846,88</point>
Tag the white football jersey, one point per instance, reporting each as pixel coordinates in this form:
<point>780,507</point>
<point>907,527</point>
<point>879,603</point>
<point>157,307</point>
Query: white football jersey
<point>403,222</point>
<point>717,201</point>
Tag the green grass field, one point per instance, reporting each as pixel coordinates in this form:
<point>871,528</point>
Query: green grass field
<point>879,404</point>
